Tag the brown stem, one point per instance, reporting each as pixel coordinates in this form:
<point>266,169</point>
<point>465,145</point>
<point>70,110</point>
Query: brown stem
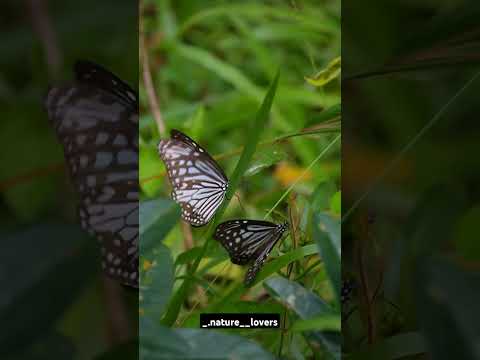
<point>149,88</point>
<point>117,320</point>
<point>43,27</point>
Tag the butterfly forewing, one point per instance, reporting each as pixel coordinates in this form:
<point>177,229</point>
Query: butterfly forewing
<point>249,241</point>
<point>96,120</point>
<point>199,184</point>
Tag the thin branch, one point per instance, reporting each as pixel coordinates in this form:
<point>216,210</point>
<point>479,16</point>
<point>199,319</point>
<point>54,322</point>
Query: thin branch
<point>118,324</point>
<point>149,88</point>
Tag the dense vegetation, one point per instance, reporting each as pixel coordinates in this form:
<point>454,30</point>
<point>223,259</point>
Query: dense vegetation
<point>213,67</point>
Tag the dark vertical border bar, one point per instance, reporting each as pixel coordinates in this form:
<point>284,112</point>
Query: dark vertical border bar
<point>410,178</point>
<point>55,300</point>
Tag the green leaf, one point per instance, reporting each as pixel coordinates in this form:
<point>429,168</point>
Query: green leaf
<point>321,196</point>
<point>324,76</point>
<point>331,113</point>
<point>279,263</point>
<point>157,217</point>
<point>156,274</point>
<point>264,159</point>
<point>60,258</point>
<point>222,69</point>
<point>306,305</point>
<point>254,134</point>
<point>261,12</point>
<point>326,322</point>
<point>326,232</point>
<point>336,203</point>
<point>158,342</point>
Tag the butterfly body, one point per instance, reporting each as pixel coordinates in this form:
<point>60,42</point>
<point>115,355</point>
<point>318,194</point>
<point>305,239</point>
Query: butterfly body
<point>96,120</point>
<point>249,241</point>
<point>199,184</point>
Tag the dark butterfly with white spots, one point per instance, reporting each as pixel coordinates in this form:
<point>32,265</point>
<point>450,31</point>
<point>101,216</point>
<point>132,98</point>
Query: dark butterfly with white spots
<point>249,241</point>
<point>199,183</point>
<point>96,120</point>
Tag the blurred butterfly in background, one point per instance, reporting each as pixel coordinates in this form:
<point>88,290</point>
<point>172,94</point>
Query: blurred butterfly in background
<point>199,183</point>
<point>96,120</point>
<point>249,241</point>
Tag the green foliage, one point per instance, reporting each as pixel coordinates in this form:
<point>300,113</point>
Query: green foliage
<point>214,69</point>
<point>50,266</point>
<point>158,342</point>
<point>54,301</point>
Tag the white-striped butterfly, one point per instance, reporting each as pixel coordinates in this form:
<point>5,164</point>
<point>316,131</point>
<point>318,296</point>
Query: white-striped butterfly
<point>249,241</point>
<point>96,120</point>
<point>199,183</point>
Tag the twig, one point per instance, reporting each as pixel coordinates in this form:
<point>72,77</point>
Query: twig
<point>30,176</point>
<point>149,88</point>
<point>187,235</point>
<point>117,319</point>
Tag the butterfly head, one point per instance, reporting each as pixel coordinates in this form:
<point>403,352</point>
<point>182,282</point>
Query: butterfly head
<point>283,227</point>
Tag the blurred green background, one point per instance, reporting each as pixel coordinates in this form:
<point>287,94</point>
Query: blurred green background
<point>53,302</point>
<point>211,63</point>
<point>410,144</point>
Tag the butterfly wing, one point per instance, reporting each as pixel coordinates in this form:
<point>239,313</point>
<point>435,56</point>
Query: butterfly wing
<point>199,184</point>
<point>249,240</point>
<point>97,123</point>
<point>262,255</point>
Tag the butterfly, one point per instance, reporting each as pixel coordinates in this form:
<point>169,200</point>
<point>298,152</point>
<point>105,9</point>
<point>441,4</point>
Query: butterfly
<point>248,241</point>
<point>199,183</point>
<point>96,120</point>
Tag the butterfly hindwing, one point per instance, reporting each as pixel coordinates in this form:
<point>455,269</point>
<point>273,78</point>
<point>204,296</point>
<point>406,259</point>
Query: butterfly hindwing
<point>96,120</point>
<point>199,184</point>
<point>249,241</point>
<point>95,75</point>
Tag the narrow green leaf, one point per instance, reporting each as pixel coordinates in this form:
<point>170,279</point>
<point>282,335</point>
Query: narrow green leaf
<point>279,263</point>
<point>336,203</point>
<point>158,342</point>
<point>306,305</point>
<point>157,217</point>
<point>324,76</point>
<point>261,12</point>
<point>57,260</point>
<point>327,322</point>
<point>265,159</point>
<point>326,232</point>
<point>156,279</point>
